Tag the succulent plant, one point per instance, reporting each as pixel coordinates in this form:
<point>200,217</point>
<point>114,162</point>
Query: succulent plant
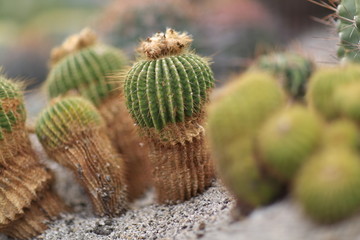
<point>166,91</point>
<point>233,124</point>
<point>291,69</point>
<point>342,132</point>
<point>323,85</point>
<point>327,186</point>
<point>86,67</point>
<point>25,183</point>
<point>73,133</point>
<point>347,101</point>
<point>287,140</point>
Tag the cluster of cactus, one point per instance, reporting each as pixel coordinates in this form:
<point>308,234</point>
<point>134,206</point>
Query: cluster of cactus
<point>264,147</point>
<point>27,199</point>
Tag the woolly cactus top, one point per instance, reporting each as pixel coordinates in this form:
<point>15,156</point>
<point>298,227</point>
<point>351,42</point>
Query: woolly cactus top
<point>12,111</point>
<point>58,123</point>
<point>170,85</point>
<point>165,44</point>
<point>85,66</point>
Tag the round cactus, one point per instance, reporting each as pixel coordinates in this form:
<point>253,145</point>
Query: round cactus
<point>347,101</point>
<point>166,91</point>
<point>323,85</point>
<point>170,84</point>
<point>291,69</point>
<point>83,65</point>
<point>327,186</point>
<point>233,122</point>
<point>73,133</point>
<point>86,67</point>
<point>287,140</point>
<point>342,132</point>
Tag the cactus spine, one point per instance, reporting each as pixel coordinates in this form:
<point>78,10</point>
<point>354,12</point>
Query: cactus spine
<point>166,91</point>
<point>27,200</point>
<point>292,70</point>
<point>73,133</point>
<point>84,66</point>
<point>233,123</point>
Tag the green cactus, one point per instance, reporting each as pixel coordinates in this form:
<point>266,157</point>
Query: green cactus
<point>85,69</point>
<point>323,85</point>
<point>233,122</point>
<point>342,132</point>
<point>73,133</point>
<point>348,25</point>
<point>166,91</point>
<point>287,140</point>
<point>327,186</point>
<point>292,70</point>
<point>170,89</point>
<point>12,110</point>
<point>347,101</point>
<point>55,126</point>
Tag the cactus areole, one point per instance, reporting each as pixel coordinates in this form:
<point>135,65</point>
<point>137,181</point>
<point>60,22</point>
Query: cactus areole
<point>169,84</point>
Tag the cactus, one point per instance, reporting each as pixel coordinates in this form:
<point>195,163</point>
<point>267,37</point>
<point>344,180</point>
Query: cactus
<point>342,132</point>
<point>323,85</point>
<point>287,140</point>
<point>87,67</point>
<point>26,184</point>
<point>291,69</point>
<point>347,101</point>
<point>348,28</point>
<point>233,122</point>
<point>166,91</point>
<point>327,186</point>
<point>73,133</point>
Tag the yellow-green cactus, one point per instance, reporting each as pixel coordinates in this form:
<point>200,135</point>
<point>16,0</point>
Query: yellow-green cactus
<point>73,133</point>
<point>342,132</point>
<point>233,122</point>
<point>323,85</point>
<point>347,101</point>
<point>327,186</point>
<point>287,140</point>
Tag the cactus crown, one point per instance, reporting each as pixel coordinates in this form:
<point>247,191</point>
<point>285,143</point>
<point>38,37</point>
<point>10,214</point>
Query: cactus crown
<point>161,91</point>
<point>12,110</point>
<point>84,66</point>
<point>72,44</point>
<point>58,123</point>
<point>165,44</point>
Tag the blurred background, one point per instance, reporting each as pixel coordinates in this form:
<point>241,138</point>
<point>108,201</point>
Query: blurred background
<point>232,32</point>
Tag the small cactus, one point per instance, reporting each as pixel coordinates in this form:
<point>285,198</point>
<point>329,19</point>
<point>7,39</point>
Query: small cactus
<point>73,133</point>
<point>323,85</point>
<point>84,66</point>
<point>25,183</point>
<point>342,132</point>
<point>292,70</point>
<point>347,101</point>
<point>327,186</point>
<point>233,123</point>
<point>166,91</point>
<point>287,140</point>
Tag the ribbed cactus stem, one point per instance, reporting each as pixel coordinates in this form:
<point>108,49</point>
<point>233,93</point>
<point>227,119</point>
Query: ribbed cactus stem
<point>25,182</point>
<point>73,133</point>
<point>166,91</point>
<point>84,66</point>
